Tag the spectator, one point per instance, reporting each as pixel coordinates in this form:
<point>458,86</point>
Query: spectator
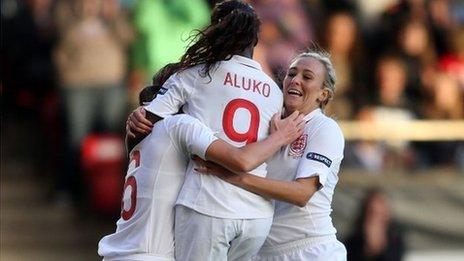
<point>453,62</point>
<point>442,100</point>
<point>344,44</point>
<point>28,36</point>
<point>285,28</point>
<point>27,78</point>
<point>417,50</point>
<point>391,74</point>
<point>376,236</point>
<point>91,62</point>
<point>441,23</point>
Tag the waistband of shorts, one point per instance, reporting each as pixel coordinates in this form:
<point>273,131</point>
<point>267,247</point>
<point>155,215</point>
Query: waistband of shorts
<point>139,257</point>
<point>298,244</point>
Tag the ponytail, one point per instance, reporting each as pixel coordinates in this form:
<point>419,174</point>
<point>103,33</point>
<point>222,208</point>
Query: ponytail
<point>234,27</point>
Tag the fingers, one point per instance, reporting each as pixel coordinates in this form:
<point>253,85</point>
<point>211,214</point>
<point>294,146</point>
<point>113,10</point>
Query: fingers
<point>198,160</point>
<point>300,118</point>
<point>138,123</point>
<point>201,169</point>
<point>129,132</point>
<point>136,128</point>
<point>300,121</point>
<point>293,116</point>
<point>275,117</point>
<point>201,166</point>
<point>139,115</point>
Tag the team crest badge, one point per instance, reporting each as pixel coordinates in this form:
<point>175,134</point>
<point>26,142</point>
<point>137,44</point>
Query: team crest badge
<point>298,146</point>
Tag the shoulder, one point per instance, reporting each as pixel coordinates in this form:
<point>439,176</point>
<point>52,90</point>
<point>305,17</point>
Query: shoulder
<point>326,126</point>
<point>176,121</point>
<point>325,122</point>
<point>190,74</point>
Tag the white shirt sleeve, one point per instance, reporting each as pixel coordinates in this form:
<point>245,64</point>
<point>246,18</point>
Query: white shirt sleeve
<point>323,152</point>
<point>173,95</point>
<point>190,135</point>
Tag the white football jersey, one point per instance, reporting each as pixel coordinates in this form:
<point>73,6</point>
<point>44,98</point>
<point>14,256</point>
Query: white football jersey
<point>318,152</point>
<point>237,102</point>
<point>154,177</point>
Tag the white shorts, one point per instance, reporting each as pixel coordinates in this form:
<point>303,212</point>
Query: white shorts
<point>325,248</point>
<point>200,237</point>
<point>140,257</point>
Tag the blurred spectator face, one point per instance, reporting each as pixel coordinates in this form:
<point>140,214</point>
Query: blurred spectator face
<point>90,8</point>
<point>414,38</point>
<point>391,74</point>
<point>269,32</point>
<point>439,12</point>
<point>303,85</point>
<point>448,98</point>
<point>341,33</point>
<point>110,8</point>
<point>377,208</point>
<point>39,4</point>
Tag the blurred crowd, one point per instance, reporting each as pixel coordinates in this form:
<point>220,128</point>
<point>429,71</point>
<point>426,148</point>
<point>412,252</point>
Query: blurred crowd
<point>77,66</point>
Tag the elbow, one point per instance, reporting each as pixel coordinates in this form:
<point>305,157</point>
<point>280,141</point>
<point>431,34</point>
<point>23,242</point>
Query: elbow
<point>243,164</point>
<point>303,198</point>
<point>301,202</point>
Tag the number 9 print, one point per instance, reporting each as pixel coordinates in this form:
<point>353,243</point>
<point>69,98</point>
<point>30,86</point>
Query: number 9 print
<point>251,135</point>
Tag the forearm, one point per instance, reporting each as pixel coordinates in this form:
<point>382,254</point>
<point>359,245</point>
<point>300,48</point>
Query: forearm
<point>246,158</point>
<point>255,154</point>
<point>138,136</point>
<point>294,192</point>
<point>249,157</point>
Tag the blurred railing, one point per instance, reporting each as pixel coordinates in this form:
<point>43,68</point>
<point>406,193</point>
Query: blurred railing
<point>417,130</point>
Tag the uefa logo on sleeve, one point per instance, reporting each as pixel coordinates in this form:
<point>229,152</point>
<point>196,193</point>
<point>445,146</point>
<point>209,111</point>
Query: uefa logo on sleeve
<point>298,146</point>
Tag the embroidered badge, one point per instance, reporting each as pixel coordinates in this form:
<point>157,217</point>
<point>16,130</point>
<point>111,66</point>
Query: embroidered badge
<point>298,146</point>
<point>162,91</point>
<point>318,157</point>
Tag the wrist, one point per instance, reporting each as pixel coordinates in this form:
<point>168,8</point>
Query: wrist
<point>278,137</point>
<point>235,179</point>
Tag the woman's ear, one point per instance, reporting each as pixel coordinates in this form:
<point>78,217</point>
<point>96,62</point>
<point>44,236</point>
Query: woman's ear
<point>324,95</point>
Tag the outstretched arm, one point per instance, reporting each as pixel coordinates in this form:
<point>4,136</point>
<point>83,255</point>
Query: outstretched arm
<point>247,158</point>
<point>297,192</point>
<point>244,159</point>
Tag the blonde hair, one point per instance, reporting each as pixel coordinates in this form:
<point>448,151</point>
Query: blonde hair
<point>330,77</point>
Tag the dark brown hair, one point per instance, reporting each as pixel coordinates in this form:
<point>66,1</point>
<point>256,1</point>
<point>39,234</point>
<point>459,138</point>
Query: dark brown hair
<point>149,93</point>
<point>234,27</point>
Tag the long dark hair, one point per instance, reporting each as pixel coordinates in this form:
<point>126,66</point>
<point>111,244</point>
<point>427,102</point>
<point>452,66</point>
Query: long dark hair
<point>149,93</point>
<point>234,27</point>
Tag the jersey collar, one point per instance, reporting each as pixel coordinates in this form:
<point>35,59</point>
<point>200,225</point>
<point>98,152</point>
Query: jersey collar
<point>246,61</point>
<point>310,115</point>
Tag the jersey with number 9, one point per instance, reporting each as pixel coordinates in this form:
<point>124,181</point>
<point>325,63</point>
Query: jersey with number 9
<point>237,102</point>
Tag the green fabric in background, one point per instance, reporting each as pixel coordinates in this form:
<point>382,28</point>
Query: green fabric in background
<point>163,27</point>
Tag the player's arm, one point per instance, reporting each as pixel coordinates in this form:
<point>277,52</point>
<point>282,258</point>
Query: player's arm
<point>325,147</point>
<point>169,99</point>
<point>247,158</point>
<point>138,125</point>
<point>297,192</point>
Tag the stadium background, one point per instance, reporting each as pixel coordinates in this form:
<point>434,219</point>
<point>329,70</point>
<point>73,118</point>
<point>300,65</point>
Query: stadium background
<point>399,100</point>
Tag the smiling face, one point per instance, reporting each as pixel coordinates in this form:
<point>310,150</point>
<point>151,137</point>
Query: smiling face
<point>304,85</point>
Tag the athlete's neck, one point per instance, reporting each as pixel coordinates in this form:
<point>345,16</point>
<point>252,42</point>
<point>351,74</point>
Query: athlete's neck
<point>248,52</point>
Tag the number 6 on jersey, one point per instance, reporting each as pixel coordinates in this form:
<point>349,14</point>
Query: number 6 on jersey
<point>131,182</point>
